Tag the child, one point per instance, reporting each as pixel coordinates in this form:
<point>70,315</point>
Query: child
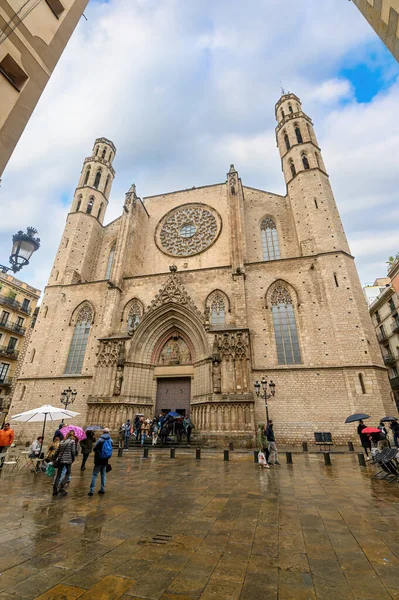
<point>262,460</point>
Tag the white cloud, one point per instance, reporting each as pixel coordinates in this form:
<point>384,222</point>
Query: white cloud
<point>186,88</point>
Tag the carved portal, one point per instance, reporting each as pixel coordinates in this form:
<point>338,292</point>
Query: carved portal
<point>232,349</point>
<point>175,352</point>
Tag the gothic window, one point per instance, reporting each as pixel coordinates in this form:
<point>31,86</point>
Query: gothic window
<point>292,167</point>
<point>104,153</point>
<point>270,246</point>
<point>135,314</point>
<point>287,141</point>
<point>90,205</point>
<point>110,157</point>
<point>97,179</point>
<point>106,185</point>
<point>361,381</point>
<point>298,135</point>
<point>282,114</point>
<point>79,341</point>
<point>100,210</point>
<point>290,108</point>
<point>97,149</point>
<point>305,161</point>
<point>317,159</point>
<point>217,308</point>
<point>79,202</point>
<point>110,262</point>
<point>285,331</point>
<point>87,176</point>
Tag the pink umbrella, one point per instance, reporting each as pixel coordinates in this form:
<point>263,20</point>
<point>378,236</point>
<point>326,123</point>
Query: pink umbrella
<point>78,431</point>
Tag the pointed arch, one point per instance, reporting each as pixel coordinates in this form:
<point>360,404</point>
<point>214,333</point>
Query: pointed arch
<point>132,314</point>
<point>90,204</point>
<point>173,333</point>
<point>305,162</point>
<point>284,323</point>
<point>298,134</point>
<point>287,141</point>
<point>290,108</point>
<point>79,203</point>
<point>106,184</point>
<point>217,304</point>
<point>100,210</point>
<point>292,167</point>
<point>97,178</point>
<point>104,153</point>
<point>87,176</point>
<point>270,243</point>
<point>82,319</point>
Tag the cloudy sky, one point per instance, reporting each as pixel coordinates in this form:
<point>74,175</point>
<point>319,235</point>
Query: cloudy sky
<point>186,88</point>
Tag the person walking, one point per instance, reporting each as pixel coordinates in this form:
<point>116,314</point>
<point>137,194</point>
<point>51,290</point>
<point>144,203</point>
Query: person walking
<point>155,430</point>
<point>188,427</point>
<point>144,430</point>
<point>65,456</point>
<point>102,454</point>
<point>6,439</point>
<point>137,428</point>
<point>87,447</point>
<point>127,434</point>
<point>395,431</point>
<point>364,439</point>
<point>262,441</point>
<point>271,442</point>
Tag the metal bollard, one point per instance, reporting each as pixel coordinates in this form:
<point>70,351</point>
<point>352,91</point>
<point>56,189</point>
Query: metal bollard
<point>198,454</point>
<point>361,460</point>
<point>226,455</point>
<point>256,456</point>
<point>120,452</point>
<point>351,447</point>
<point>327,459</point>
<point>172,452</point>
<point>289,458</point>
<point>305,446</point>
<point>145,453</point>
<point>231,446</point>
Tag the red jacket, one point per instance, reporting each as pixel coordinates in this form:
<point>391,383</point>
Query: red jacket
<point>6,437</point>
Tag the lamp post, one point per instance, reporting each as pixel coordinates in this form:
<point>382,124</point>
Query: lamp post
<point>68,397</point>
<point>23,246</point>
<point>265,395</point>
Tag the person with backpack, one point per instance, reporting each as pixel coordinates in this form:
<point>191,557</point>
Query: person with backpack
<point>102,453</point>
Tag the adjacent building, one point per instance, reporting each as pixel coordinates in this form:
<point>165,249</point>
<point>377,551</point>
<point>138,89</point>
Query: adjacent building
<point>383,16</point>
<point>373,290</point>
<point>33,35</point>
<point>18,303</point>
<point>189,297</point>
<point>384,312</point>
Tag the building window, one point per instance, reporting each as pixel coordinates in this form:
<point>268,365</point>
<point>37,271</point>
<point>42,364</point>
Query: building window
<point>3,371</point>
<point>56,7</point>
<point>106,184</point>
<point>361,381</point>
<point>395,371</point>
<point>298,135</point>
<point>97,179</point>
<point>270,246</point>
<point>12,343</point>
<point>90,205</point>
<point>100,210</point>
<point>392,305</point>
<point>110,262</point>
<point>282,114</point>
<point>292,167</point>
<point>104,153</point>
<point>79,341</point>
<point>217,310</point>
<point>285,330</point>
<point>287,141</point>
<point>305,161</point>
<point>134,315</point>
<point>377,316</point>
<point>110,157</point>
<point>290,108</point>
<point>19,323</point>
<point>97,149</point>
<point>13,72</point>
<point>87,176</point>
<point>79,202</point>
<point>4,317</point>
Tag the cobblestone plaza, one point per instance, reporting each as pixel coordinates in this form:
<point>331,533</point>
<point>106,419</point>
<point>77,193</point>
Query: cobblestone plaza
<point>183,529</point>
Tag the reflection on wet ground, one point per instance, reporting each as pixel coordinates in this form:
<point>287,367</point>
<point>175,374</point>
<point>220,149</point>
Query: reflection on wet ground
<point>183,529</point>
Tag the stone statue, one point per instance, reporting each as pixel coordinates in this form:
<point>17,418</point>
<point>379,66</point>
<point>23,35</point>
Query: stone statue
<point>118,381</point>
<point>216,377</point>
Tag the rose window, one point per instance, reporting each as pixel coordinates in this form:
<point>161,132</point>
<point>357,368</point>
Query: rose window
<point>188,230</point>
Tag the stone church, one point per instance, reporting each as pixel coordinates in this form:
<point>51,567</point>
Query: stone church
<point>189,297</point>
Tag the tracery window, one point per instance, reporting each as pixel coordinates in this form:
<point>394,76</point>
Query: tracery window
<point>217,309</point>
<point>77,349</point>
<point>135,314</point>
<point>270,245</point>
<point>110,262</point>
<point>285,330</point>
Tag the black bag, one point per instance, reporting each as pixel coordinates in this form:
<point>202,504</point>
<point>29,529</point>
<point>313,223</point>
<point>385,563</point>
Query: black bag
<point>58,456</point>
<point>108,468</point>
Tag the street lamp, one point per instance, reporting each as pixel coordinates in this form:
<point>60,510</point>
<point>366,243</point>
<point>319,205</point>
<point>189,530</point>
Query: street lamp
<point>68,397</point>
<point>265,395</point>
<point>23,246</point>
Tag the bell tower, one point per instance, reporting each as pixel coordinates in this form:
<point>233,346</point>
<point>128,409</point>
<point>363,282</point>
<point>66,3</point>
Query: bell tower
<point>78,250</point>
<point>317,220</point>
<point>92,193</point>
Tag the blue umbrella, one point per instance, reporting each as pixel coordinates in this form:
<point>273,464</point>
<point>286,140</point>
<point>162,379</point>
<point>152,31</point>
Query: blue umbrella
<point>174,414</point>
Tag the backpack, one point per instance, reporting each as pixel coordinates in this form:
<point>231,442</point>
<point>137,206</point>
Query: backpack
<point>106,449</point>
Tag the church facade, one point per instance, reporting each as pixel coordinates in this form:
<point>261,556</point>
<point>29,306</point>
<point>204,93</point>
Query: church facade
<point>190,297</point>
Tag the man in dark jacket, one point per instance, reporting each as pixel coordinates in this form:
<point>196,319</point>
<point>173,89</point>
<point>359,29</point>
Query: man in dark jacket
<point>58,435</point>
<point>271,441</point>
<point>101,462</point>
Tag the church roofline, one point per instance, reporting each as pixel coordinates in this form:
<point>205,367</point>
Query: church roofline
<point>200,187</point>
<point>249,187</point>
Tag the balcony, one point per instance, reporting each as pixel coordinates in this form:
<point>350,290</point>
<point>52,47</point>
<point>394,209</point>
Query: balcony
<point>5,381</point>
<point>389,359</point>
<point>395,327</point>
<point>395,383</point>
<point>10,302</point>
<point>382,337</point>
<point>8,352</point>
<point>12,327</point>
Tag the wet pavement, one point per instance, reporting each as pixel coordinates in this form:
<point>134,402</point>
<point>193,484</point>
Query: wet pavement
<point>183,529</point>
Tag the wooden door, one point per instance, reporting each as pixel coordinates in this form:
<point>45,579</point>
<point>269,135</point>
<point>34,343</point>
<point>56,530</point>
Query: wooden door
<point>173,394</point>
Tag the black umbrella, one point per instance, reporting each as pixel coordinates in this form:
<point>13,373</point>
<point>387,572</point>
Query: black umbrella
<point>356,417</point>
<point>388,419</point>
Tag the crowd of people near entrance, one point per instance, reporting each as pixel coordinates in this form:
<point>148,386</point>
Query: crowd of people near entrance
<point>158,429</point>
